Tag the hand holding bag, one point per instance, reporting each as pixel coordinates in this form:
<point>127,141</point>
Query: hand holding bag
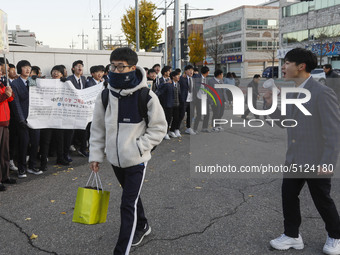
<point>91,203</point>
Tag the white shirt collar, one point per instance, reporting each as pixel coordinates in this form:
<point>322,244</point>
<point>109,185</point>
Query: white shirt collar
<point>302,85</point>
<point>23,80</point>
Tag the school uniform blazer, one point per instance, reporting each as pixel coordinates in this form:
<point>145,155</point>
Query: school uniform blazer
<point>20,104</point>
<point>184,85</point>
<point>90,82</point>
<point>316,138</point>
<point>74,81</point>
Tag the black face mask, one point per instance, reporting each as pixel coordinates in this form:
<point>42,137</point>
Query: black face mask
<point>123,80</point>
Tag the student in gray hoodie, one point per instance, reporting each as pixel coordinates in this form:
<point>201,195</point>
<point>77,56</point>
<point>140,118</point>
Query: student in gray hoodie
<point>128,140</point>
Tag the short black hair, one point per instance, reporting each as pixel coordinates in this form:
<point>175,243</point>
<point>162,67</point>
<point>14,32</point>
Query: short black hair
<point>77,62</point>
<point>11,66</point>
<point>328,66</point>
<point>217,72</point>
<point>155,65</point>
<point>151,71</point>
<point>146,69</point>
<point>178,70</point>
<point>195,69</point>
<point>302,56</point>
<point>256,76</point>
<point>2,61</point>
<point>95,69</point>
<point>174,73</point>
<point>204,69</point>
<point>229,75</point>
<point>107,68</point>
<point>21,64</point>
<point>124,54</point>
<point>35,69</point>
<point>165,69</point>
<point>59,68</point>
<point>188,67</point>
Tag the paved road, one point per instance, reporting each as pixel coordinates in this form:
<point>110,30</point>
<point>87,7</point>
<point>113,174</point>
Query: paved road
<point>189,214</point>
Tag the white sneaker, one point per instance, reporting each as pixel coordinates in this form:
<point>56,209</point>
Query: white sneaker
<point>72,148</point>
<point>178,134</point>
<point>215,129</point>
<point>12,166</point>
<point>190,131</point>
<point>285,242</point>
<point>221,129</point>
<point>172,134</point>
<point>332,246</point>
<point>166,137</point>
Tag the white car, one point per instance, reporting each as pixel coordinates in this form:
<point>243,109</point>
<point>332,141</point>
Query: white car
<point>319,75</point>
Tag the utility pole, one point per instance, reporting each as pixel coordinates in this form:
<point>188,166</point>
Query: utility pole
<point>165,39</point>
<point>83,39</point>
<point>137,26</point>
<point>100,38</point>
<point>185,50</point>
<point>177,19</point>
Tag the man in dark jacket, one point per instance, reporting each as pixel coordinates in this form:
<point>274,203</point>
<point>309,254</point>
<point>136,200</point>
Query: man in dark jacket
<point>255,85</point>
<point>332,80</point>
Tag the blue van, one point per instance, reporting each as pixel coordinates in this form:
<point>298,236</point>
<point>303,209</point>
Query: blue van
<point>268,72</point>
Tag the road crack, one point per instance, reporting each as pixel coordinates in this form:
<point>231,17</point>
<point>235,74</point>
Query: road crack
<point>27,236</point>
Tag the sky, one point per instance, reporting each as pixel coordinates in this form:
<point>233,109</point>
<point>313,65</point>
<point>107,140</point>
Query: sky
<point>59,24</point>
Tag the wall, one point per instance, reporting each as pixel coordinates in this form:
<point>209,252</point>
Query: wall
<point>46,58</point>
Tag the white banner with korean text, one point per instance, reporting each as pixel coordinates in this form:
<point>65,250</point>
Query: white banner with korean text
<point>56,104</point>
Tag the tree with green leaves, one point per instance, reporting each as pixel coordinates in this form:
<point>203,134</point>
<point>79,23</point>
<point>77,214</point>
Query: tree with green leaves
<point>149,31</point>
<point>197,50</point>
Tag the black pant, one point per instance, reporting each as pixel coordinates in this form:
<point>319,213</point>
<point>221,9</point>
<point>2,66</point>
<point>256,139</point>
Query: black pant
<point>218,111</point>
<point>13,139</point>
<point>172,117</point>
<point>185,108</point>
<point>131,208</point>
<point>45,140</point>
<point>27,136</point>
<point>320,192</point>
<point>255,106</point>
<point>198,107</point>
<point>4,153</point>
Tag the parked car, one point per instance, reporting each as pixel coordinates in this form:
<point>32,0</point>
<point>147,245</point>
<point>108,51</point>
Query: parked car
<point>268,72</point>
<point>319,75</point>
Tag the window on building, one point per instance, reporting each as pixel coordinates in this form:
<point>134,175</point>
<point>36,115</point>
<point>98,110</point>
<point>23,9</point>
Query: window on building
<point>232,47</point>
<point>303,7</point>
<point>262,45</point>
<point>262,24</point>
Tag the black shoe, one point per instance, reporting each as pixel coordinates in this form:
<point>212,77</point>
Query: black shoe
<point>68,158</point>
<point>244,117</point>
<point>83,153</point>
<point>2,187</point>
<point>140,234</point>
<point>22,174</point>
<point>62,162</point>
<point>10,181</point>
<point>34,171</point>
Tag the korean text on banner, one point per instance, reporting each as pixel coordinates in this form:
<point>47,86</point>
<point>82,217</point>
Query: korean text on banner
<point>56,104</point>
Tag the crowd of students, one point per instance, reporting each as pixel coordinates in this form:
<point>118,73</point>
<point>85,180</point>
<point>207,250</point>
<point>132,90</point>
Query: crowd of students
<point>21,146</point>
<point>179,94</point>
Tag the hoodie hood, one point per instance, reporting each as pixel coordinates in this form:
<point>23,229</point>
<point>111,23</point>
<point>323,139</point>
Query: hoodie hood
<point>141,75</point>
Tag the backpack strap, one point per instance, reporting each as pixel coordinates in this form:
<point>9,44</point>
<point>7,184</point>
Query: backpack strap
<point>105,97</point>
<point>143,103</point>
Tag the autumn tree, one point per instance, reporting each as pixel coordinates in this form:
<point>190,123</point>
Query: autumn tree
<point>149,31</point>
<point>197,50</point>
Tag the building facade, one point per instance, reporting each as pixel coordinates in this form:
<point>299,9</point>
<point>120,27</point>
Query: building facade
<point>314,25</point>
<point>247,38</point>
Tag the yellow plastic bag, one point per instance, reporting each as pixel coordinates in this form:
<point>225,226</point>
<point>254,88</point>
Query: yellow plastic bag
<point>91,203</point>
